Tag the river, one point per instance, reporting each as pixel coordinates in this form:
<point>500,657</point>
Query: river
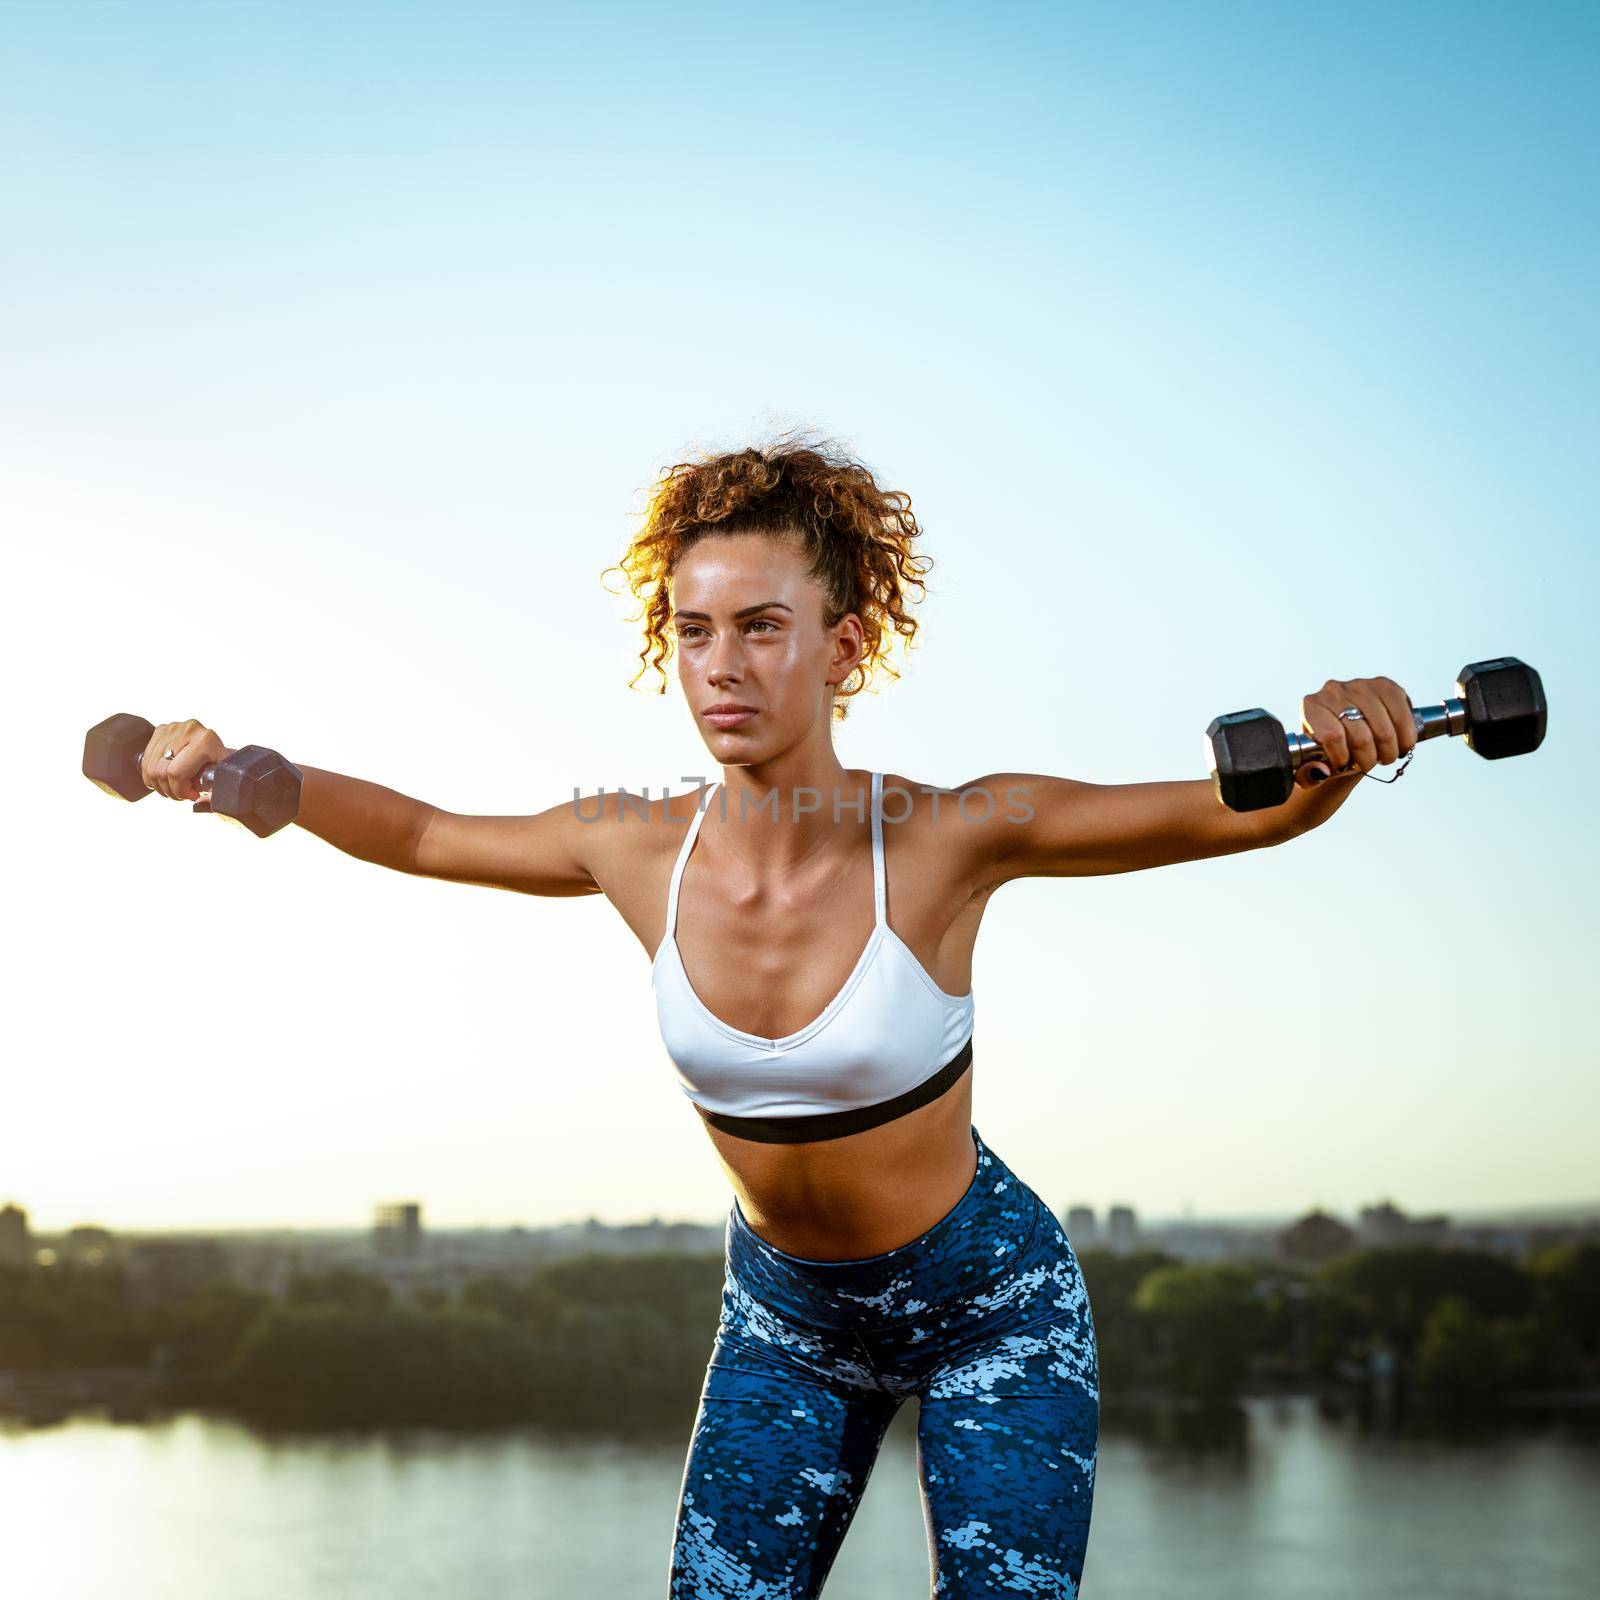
<point>1283,1498</point>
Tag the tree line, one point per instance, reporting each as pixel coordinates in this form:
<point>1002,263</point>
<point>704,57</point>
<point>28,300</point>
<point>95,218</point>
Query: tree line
<point>622,1342</point>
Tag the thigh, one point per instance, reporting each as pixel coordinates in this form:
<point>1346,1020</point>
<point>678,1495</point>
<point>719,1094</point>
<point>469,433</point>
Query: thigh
<point>1008,1436</point>
<point>776,1468</point>
<point>1007,1491</point>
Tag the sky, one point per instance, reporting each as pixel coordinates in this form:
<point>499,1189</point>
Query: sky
<point>1222,348</point>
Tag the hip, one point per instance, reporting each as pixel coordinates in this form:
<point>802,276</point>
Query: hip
<point>989,1299</point>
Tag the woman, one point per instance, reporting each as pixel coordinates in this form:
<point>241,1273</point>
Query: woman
<point>812,974</point>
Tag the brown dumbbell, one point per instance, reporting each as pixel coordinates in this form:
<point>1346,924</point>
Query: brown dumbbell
<point>254,786</point>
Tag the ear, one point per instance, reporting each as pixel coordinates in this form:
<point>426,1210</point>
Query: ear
<point>849,646</point>
<point>850,640</point>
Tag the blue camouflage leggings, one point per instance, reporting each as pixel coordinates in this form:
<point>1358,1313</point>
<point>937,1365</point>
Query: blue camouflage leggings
<point>985,1318</point>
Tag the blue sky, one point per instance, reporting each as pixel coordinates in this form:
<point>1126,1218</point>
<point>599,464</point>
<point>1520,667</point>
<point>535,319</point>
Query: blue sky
<point>1222,348</point>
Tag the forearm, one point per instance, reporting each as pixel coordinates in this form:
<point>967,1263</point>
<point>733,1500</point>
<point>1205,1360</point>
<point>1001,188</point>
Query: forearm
<point>363,819</point>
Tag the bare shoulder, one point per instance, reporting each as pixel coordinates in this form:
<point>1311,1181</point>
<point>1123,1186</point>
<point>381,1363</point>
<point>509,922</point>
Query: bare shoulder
<point>948,830</point>
<point>627,832</point>
<point>632,843</point>
<point>606,842</point>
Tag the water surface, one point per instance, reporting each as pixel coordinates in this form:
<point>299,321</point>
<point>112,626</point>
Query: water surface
<point>1279,1499</point>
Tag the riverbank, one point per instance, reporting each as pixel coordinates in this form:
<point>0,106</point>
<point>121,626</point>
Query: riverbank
<point>122,1394</point>
<point>136,1394</point>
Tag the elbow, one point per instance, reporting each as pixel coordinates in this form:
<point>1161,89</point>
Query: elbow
<point>415,854</point>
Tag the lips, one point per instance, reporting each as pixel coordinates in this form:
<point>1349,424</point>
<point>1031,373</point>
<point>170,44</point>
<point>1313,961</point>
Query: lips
<point>729,716</point>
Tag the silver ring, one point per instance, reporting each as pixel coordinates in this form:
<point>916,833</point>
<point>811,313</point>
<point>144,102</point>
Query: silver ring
<point>1352,714</point>
<point>166,755</point>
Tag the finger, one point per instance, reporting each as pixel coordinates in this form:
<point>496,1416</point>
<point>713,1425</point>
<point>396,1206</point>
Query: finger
<point>183,769</point>
<point>1398,704</point>
<point>155,757</point>
<point>152,754</point>
<point>1319,716</point>
<point>169,737</point>
<point>1361,734</point>
<point>199,748</point>
<point>1380,719</point>
<point>170,753</point>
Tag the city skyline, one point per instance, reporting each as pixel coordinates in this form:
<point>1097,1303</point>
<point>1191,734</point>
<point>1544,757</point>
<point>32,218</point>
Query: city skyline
<point>1553,1212</point>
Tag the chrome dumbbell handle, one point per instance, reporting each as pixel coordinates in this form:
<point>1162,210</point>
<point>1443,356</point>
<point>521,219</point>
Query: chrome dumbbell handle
<point>1432,722</point>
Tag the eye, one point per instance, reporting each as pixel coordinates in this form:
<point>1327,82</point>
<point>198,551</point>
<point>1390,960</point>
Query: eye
<point>689,629</point>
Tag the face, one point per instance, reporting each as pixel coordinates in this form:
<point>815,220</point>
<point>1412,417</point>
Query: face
<point>747,626</point>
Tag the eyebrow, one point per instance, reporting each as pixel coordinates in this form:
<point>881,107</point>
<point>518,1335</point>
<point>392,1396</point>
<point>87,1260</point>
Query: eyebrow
<point>749,611</point>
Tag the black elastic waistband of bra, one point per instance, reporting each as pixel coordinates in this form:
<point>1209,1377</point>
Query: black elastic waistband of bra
<point>836,1124</point>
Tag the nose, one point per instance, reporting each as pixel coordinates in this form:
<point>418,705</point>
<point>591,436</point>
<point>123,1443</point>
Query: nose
<point>725,659</point>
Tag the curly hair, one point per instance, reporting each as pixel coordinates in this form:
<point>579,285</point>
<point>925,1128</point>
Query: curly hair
<point>855,535</point>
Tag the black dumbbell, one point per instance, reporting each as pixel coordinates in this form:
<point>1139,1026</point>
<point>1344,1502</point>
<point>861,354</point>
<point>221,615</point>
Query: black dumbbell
<point>254,786</point>
<point>1500,711</point>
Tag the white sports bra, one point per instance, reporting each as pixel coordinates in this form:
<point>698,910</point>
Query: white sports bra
<point>890,1040</point>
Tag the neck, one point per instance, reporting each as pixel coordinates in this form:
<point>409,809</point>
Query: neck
<point>780,818</point>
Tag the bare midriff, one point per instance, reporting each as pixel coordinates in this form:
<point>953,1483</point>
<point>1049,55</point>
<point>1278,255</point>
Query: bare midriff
<point>860,1195</point>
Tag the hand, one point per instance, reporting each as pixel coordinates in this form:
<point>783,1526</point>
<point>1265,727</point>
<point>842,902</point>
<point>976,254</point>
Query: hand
<point>193,746</point>
<point>1387,732</point>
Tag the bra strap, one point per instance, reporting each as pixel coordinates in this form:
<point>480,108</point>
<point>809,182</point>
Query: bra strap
<point>878,875</point>
<point>683,855</point>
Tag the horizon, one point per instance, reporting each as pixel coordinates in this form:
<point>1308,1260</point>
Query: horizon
<point>1513,1215</point>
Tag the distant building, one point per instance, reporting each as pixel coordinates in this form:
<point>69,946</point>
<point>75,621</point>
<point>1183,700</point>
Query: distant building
<point>1081,1227</point>
<point>594,1237</point>
<point>264,1264</point>
<point>16,1247</point>
<point>1386,1224</point>
<point>170,1269</point>
<point>1315,1237</point>
<point>89,1246</point>
<point>1210,1241</point>
<point>397,1228</point>
<point>1122,1229</point>
<point>1519,1240</point>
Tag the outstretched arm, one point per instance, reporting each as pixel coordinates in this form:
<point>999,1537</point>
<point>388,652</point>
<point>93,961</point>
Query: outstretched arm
<point>1046,827</point>
<point>1039,826</point>
<point>549,853</point>
<point>545,853</point>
